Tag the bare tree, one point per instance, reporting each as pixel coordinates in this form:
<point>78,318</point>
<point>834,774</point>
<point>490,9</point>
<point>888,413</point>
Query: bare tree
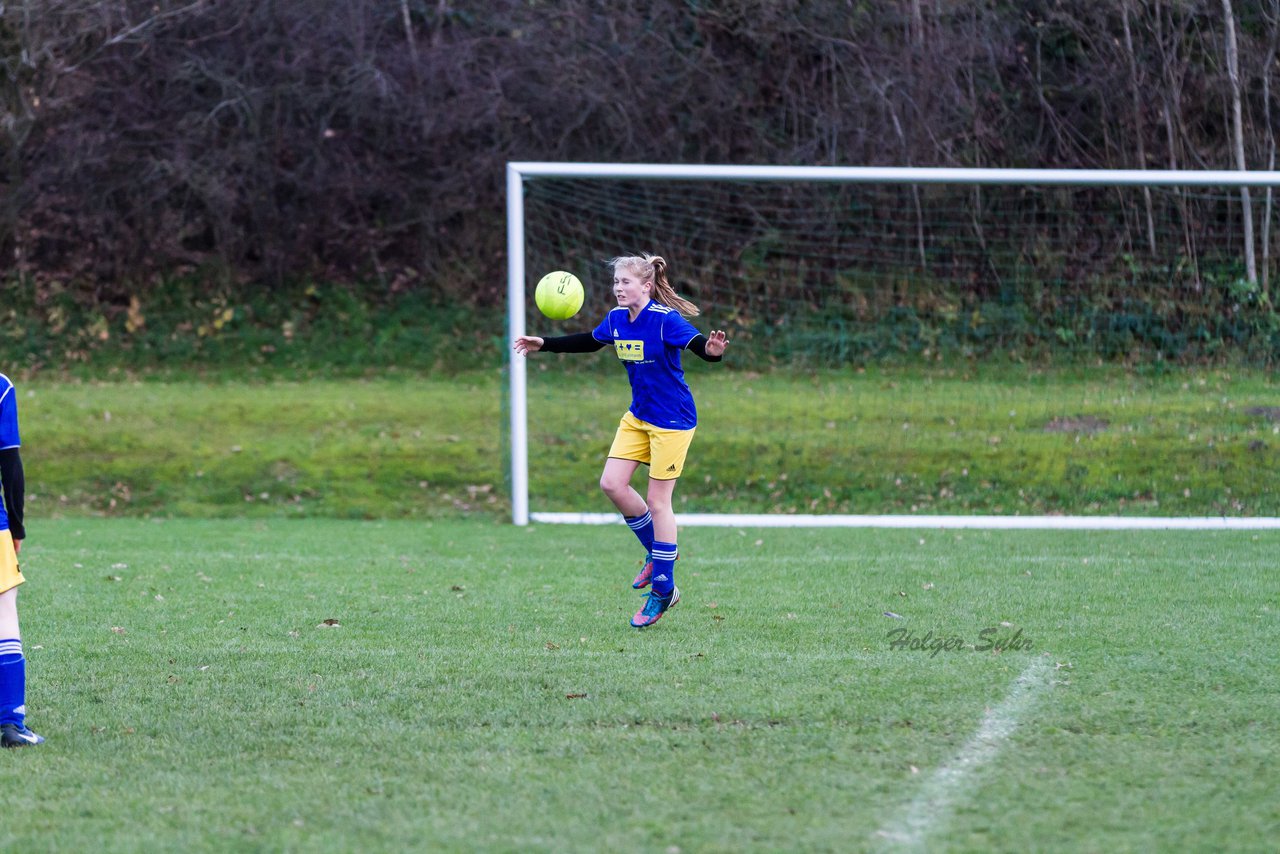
<point>1138,124</point>
<point>1272,16</point>
<point>1237,127</point>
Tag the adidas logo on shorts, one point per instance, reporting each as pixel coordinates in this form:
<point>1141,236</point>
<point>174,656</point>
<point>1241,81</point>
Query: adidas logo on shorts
<point>671,468</point>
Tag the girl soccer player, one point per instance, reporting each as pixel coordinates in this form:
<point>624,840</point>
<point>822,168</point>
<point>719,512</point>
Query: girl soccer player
<point>13,667</point>
<point>648,332</point>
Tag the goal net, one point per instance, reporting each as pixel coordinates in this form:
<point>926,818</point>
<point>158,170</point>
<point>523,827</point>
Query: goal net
<point>894,332</point>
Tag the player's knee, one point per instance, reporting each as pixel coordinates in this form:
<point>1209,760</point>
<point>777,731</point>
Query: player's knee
<point>611,485</point>
<point>658,504</point>
<point>9,612</point>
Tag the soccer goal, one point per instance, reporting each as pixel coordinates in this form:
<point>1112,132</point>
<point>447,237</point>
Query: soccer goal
<point>917,346</point>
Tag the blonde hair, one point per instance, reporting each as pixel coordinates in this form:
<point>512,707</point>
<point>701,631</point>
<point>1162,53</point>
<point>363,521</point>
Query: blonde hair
<point>654,268</point>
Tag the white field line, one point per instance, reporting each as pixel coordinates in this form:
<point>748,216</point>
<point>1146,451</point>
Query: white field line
<point>1061,523</point>
<point>928,813</point>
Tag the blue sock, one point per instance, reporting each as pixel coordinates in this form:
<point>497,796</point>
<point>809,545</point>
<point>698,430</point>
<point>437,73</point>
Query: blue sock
<point>642,527</point>
<point>13,682</point>
<point>664,568</point>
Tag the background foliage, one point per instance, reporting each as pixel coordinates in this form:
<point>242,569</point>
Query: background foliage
<point>240,150</point>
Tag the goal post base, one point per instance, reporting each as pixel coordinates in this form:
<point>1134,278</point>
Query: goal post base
<point>1060,523</point>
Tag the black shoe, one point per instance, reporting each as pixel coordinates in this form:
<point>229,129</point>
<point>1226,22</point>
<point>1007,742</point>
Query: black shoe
<point>17,735</point>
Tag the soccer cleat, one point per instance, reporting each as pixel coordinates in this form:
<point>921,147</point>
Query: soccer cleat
<point>17,735</point>
<point>654,607</point>
<point>642,580</point>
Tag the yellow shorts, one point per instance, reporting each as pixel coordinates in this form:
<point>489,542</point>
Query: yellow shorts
<point>10,575</point>
<point>662,450</point>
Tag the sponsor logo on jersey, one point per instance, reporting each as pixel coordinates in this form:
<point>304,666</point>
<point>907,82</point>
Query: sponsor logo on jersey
<point>629,351</point>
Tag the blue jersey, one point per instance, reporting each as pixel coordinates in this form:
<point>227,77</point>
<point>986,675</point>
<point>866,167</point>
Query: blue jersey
<point>650,348</point>
<point>8,430</point>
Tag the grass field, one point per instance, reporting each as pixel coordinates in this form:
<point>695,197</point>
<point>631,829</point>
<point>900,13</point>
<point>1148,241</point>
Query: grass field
<point>480,690</point>
<point>906,440</point>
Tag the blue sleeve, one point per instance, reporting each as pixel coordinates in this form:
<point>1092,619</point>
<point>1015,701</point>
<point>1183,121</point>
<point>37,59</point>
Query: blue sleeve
<point>9,417</point>
<point>603,332</point>
<point>678,332</point>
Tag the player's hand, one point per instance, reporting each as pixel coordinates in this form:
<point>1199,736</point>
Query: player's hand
<point>527,344</point>
<point>716,342</point>
<point>17,546</point>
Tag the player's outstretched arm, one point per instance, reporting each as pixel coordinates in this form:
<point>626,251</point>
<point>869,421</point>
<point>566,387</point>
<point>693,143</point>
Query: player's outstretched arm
<point>527,344</point>
<point>578,342</point>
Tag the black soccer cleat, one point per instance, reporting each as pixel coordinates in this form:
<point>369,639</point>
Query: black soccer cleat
<point>17,735</point>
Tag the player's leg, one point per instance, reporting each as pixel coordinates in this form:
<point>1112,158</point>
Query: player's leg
<point>616,483</point>
<point>630,448</point>
<point>669,449</point>
<point>13,666</point>
<point>664,534</point>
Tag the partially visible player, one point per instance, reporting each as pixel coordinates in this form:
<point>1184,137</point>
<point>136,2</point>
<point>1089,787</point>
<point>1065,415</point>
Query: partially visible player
<point>13,667</point>
<point>648,333</point>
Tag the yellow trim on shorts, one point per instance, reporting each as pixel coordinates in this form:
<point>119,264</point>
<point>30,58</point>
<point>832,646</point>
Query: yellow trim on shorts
<point>664,451</point>
<point>10,574</point>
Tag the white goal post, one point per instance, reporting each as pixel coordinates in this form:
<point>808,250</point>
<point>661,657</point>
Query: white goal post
<point>519,173</point>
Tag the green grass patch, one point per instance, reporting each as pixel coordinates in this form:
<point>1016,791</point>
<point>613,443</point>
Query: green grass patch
<point>908,440</point>
<point>981,440</point>
<point>482,691</point>
<point>393,447</point>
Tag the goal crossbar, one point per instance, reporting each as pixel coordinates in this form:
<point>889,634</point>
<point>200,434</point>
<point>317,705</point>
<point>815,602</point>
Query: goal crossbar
<point>897,174</point>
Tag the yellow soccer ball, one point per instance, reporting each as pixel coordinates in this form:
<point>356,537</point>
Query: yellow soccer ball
<point>559,295</point>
